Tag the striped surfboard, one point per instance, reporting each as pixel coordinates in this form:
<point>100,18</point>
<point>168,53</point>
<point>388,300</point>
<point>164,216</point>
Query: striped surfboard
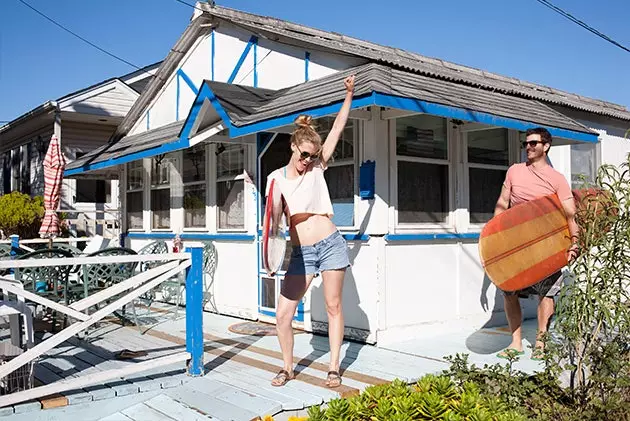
<point>525,244</point>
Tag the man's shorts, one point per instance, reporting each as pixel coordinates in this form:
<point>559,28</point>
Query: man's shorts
<point>548,287</point>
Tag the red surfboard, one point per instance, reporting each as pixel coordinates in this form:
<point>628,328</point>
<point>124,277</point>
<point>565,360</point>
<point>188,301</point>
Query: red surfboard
<point>525,244</point>
<point>274,230</point>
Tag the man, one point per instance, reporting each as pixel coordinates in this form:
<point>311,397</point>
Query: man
<point>524,182</point>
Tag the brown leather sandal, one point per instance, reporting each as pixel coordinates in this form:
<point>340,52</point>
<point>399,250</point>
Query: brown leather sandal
<point>333,379</point>
<point>283,376</point>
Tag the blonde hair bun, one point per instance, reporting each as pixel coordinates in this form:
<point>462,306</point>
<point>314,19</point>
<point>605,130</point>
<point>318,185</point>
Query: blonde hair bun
<point>304,121</point>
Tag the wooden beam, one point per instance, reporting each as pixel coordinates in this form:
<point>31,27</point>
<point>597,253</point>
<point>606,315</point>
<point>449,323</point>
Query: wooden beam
<point>91,379</point>
<point>95,260</point>
<point>394,113</point>
<point>122,286</point>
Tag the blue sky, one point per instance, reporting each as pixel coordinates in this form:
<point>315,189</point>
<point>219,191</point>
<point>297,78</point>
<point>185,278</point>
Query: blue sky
<point>519,38</point>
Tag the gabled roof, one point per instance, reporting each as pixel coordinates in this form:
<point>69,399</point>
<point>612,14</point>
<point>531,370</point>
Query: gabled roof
<point>432,67</point>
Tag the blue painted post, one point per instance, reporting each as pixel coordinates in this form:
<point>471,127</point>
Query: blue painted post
<point>194,311</point>
<point>15,244</point>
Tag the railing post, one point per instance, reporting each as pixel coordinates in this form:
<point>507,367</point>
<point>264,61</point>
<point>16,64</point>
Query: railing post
<point>15,244</point>
<point>194,311</point>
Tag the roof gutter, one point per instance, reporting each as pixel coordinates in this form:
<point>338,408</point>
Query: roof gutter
<point>42,109</point>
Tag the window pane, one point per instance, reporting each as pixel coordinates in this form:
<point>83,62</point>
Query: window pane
<point>485,188</point>
<point>231,204</point>
<point>6,173</point>
<point>268,292</point>
<point>345,146</point>
<point>488,147</point>
<point>94,191</point>
<point>230,160</point>
<point>422,192</point>
<point>135,171</point>
<point>161,170</point>
<point>421,136</point>
<point>582,164</point>
<point>161,208</point>
<point>340,182</point>
<point>195,205</point>
<point>194,165</point>
<point>134,210</point>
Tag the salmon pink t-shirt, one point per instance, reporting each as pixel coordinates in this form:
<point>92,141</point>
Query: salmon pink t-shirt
<point>528,183</point>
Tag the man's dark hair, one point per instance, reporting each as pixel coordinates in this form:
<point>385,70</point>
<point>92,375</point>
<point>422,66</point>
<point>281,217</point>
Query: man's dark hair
<point>545,136</point>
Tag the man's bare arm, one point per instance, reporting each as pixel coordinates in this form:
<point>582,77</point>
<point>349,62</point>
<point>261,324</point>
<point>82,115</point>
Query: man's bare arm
<point>504,201</point>
<point>569,210</point>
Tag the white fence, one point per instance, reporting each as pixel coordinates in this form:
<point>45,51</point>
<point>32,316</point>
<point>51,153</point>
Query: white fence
<point>173,263</point>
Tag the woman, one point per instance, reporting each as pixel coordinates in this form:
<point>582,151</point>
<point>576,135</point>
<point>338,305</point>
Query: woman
<point>318,247</point>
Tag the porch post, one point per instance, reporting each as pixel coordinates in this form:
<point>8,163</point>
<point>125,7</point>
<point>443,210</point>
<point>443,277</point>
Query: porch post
<point>15,243</point>
<point>194,312</point>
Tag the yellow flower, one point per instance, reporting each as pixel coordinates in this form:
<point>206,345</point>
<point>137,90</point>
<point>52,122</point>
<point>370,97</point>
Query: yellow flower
<point>293,418</point>
<point>268,418</point>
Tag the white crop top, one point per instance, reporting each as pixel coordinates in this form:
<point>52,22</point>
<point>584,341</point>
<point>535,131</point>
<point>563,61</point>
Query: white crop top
<point>306,194</point>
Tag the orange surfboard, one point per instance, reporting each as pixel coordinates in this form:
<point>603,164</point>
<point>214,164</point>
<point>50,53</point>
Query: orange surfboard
<point>525,244</point>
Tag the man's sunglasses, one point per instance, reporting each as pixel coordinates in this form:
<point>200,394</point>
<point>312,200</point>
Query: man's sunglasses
<point>531,143</point>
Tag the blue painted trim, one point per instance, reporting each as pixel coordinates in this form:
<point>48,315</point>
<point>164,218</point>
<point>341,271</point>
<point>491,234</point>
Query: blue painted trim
<point>432,236</point>
<point>402,103</point>
<point>347,236</point>
<point>191,236</point>
<point>194,311</point>
<point>212,55</point>
<point>248,47</point>
<point>307,59</point>
<point>177,98</point>
<point>256,63</point>
<point>189,82</point>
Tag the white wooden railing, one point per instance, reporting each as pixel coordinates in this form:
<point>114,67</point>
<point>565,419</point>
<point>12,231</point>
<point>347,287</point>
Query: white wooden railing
<point>191,261</point>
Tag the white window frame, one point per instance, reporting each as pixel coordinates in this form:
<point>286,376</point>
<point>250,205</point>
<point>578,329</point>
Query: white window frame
<point>136,190</point>
<point>356,133</point>
<point>205,182</point>
<point>470,226</point>
<point>597,163</point>
<point>172,175</point>
<point>215,190</point>
<point>449,225</point>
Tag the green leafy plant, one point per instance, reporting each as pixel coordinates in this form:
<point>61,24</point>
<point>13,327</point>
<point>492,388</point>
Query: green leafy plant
<point>22,215</point>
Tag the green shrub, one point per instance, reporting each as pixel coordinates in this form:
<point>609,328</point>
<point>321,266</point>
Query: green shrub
<point>22,214</point>
<point>431,398</point>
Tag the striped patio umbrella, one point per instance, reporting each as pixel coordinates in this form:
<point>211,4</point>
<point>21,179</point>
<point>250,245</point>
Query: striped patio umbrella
<point>54,165</point>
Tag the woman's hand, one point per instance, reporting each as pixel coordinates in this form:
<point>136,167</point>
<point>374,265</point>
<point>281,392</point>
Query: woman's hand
<point>349,83</point>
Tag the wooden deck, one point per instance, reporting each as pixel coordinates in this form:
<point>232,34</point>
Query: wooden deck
<point>236,385</point>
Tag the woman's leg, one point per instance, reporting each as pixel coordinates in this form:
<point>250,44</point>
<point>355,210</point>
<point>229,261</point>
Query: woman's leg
<point>333,287</point>
<point>293,289</point>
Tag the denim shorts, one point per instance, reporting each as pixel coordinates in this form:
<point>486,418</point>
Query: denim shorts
<point>331,253</point>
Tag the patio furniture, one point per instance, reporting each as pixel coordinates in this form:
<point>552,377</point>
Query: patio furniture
<point>50,282</point>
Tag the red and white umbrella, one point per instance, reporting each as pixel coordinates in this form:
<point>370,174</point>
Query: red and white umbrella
<point>54,166</point>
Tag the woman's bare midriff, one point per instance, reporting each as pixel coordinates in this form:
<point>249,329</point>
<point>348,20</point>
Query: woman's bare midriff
<point>307,228</point>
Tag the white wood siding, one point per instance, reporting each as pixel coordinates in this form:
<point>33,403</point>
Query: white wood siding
<point>278,66</point>
<point>114,99</point>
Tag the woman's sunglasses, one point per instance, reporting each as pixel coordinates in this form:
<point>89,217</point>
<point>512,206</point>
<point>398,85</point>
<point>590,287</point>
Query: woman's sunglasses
<point>531,143</point>
<point>306,155</point>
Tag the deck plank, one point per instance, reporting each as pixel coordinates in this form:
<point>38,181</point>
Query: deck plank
<point>192,396</point>
<point>142,411</point>
<point>176,410</point>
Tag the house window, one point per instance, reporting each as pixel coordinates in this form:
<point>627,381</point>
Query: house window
<point>92,190</point>
<point>135,184</point>
<point>422,170</point>
<point>161,167</point>
<point>230,186</point>
<point>15,168</point>
<point>6,172</point>
<point>25,169</point>
<point>340,175</point>
<point>487,163</point>
<point>194,179</point>
<point>583,164</point>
